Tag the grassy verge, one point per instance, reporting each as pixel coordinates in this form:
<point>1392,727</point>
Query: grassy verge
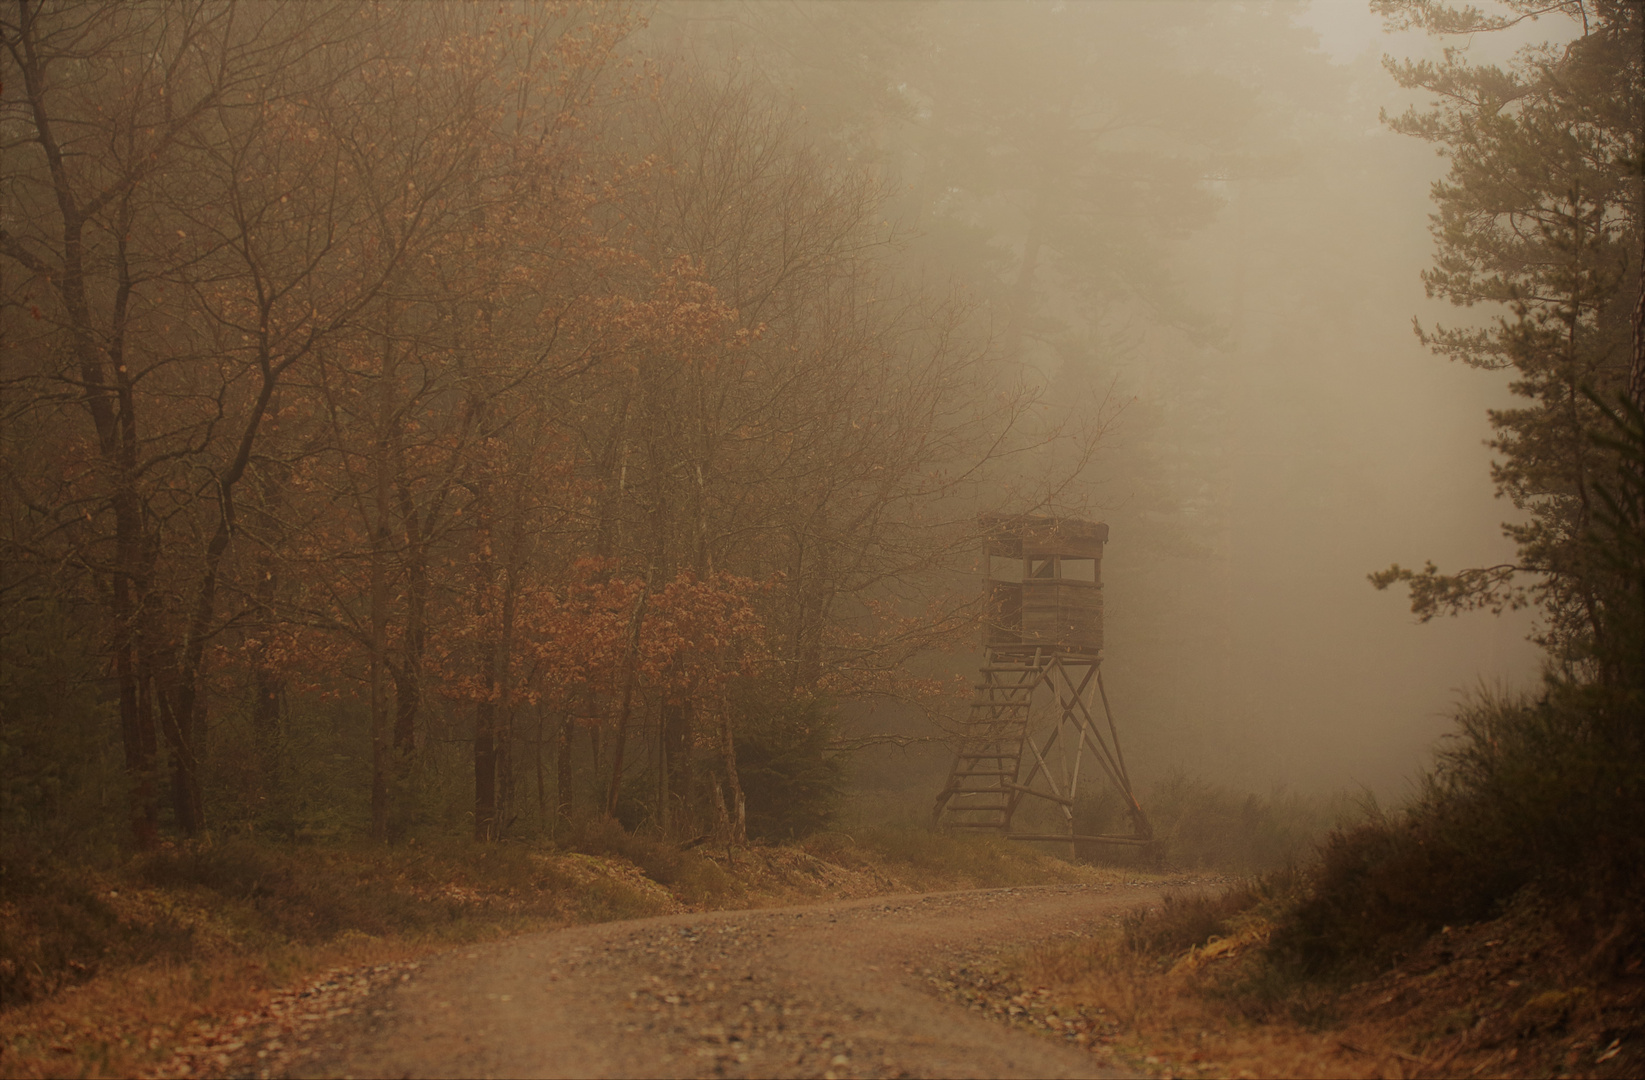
<point>1197,989</point>
<point>104,969</point>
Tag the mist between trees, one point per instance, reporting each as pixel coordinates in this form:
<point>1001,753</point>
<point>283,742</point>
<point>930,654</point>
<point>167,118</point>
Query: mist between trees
<point>498,418</point>
<point>394,385</point>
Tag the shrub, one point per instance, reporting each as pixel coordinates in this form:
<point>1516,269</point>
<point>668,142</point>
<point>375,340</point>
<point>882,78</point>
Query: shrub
<point>790,779</point>
<point>1199,825</point>
<point>693,878</point>
<point>1526,791</point>
<point>61,925</point>
<point>61,775</point>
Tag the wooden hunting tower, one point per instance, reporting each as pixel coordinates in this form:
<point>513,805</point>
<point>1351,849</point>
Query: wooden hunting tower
<point>1043,628</point>
<point>1044,581</point>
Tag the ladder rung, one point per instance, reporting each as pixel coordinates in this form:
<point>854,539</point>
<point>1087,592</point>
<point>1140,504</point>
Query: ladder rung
<point>1041,794</point>
<point>991,753</point>
<point>1064,838</point>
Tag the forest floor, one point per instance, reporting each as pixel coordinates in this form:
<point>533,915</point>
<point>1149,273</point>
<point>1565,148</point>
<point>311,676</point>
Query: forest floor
<point>155,964</point>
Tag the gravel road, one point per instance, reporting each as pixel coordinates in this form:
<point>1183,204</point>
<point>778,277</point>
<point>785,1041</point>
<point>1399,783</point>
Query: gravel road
<point>825,990</point>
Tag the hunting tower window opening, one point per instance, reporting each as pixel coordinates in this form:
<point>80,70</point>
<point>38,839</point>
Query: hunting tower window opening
<point>1055,568</point>
<point>1078,570</point>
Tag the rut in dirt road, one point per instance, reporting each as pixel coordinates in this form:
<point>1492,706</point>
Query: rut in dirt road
<point>823,990</point>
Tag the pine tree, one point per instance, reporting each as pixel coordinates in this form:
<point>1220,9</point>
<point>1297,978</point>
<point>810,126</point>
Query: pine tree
<point>1539,217</point>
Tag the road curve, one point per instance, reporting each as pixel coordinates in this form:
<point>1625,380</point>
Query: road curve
<point>823,990</point>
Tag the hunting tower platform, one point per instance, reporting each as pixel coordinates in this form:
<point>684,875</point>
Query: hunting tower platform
<point>1042,640</point>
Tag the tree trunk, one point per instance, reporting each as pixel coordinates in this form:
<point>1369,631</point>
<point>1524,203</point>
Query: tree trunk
<point>728,762</point>
<point>137,731</point>
<point>563,770</point>
<point>514,560</point>
<point>178,720</point>
<point>505,772</point>
<point>677,780</point>
<point>625,710</point>
<point>485,772</point>
<point>189,703</point>
<point>408,688</point>
<point>379,676</point>
<point>382,505</point>
<point>267,687</point>
<point>1636,368</point>
<point>485,710</point>
<point>537,761</point>
<point>485,725</point>
<point>98,355</point>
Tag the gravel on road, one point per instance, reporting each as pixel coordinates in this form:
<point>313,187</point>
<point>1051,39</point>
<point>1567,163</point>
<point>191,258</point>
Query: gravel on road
<point>848,989</point>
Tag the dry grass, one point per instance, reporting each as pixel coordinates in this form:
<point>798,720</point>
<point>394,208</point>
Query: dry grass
<point>109,969</point>
<point>1511,996</point>
<point>129,1022</point>
<point>915,859</point>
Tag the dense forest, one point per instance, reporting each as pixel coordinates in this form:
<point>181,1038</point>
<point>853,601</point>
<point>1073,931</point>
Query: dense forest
<point>405,402</point>
<point>491,420</point>
<point>444,418</point>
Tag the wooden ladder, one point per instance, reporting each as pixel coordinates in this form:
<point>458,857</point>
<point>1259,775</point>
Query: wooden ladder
<point>982,789</point>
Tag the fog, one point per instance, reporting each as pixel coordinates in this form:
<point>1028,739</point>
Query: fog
<point>1345,446</point>
<point>1274,429</point>
<point>471,469</point>
<point>480,419</point>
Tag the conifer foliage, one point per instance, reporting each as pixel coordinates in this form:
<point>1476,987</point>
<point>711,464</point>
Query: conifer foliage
<point>1539,222</point>
<point>1540,217</point>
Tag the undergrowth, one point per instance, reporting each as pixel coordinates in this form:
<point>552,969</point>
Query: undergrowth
<point>67,922</point>
<point>926,859</point>
<point>1494,923</point>
<point>1526,794</point>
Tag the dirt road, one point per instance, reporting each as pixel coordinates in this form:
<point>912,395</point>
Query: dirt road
<point>823,990</point>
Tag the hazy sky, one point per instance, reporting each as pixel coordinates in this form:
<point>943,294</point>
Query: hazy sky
<point>1348,446</point>
<point>1347,29</point>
